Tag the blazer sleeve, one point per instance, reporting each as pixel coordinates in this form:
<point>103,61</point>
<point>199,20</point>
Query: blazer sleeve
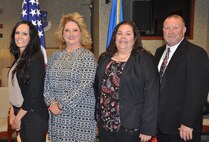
<point>33,92</point>
<point>197,80</point>
<point>151,94</point>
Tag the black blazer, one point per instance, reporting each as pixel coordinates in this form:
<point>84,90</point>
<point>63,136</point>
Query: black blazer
<point>184,88</point>
<point>32,91</point>
<point>138,94</point>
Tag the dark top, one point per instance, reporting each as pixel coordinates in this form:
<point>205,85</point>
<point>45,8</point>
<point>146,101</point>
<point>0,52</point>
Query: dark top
<point>32,91</point>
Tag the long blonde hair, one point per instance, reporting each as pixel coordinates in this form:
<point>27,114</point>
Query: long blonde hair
<point>77,18</point>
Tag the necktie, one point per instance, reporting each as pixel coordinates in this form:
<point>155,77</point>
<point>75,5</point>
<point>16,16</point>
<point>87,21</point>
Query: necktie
<point>164,63</point>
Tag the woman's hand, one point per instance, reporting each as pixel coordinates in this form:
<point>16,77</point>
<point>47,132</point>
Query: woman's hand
<point>11,115</point>
<point>11,118</point>
<point>16,120</point>
<point>54,108</point>
<point>16,124</point>
<point>145,138</point>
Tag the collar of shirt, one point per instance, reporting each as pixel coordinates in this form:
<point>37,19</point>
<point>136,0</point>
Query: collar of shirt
<point>172,51</point>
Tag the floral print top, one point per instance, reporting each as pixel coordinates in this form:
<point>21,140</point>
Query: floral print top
<point>109,99</point>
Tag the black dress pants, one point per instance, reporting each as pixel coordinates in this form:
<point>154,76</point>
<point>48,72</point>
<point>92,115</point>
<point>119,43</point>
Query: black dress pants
<point>161,137</point>
<point>33,128</point>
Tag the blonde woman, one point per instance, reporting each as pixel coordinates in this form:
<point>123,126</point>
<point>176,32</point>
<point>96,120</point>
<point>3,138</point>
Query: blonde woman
<point>69,83</point>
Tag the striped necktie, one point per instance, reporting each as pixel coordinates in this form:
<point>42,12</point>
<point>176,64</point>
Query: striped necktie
<point>164,63</point>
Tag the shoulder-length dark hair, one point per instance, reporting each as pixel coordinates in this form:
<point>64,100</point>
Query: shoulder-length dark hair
<point>24,58</point>
<point>112,49</point>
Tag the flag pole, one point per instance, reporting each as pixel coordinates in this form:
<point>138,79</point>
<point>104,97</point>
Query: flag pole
<point>116,16</point>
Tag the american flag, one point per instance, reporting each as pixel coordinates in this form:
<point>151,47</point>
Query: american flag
<point>31,12</point>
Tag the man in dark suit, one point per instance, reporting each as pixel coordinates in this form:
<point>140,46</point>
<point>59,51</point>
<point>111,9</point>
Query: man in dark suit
<point>184,84</point>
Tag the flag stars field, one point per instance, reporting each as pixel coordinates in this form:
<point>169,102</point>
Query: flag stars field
<point>31,12</point>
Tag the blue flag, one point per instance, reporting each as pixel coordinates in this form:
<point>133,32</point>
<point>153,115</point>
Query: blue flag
<point>116,16</point>
<point>31,12</point>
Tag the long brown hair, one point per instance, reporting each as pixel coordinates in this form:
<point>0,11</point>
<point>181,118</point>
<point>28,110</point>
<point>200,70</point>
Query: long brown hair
<point>32,48</point>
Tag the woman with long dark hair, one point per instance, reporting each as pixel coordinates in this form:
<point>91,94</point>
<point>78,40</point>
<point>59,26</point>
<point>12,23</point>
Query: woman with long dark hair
<point>28,111</point>
<point>126,89</point>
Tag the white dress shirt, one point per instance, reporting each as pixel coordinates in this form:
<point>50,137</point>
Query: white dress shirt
<point>172,50</point>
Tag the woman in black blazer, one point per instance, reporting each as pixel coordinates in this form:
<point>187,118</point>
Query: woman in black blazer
<point>28,111</point>
<point>127,88</point>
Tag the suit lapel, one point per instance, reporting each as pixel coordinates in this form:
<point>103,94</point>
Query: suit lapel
<point>159,54</point>
<point>102,65</point>
<point>128,65</point>
<point>107,59</point>
<point>177,57</point>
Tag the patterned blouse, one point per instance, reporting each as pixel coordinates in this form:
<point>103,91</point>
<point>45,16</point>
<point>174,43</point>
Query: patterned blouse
<point>109,100</point>
<point>69,80</point>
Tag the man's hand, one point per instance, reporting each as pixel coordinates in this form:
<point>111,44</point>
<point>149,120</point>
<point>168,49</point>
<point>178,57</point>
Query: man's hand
<point>185,132</point>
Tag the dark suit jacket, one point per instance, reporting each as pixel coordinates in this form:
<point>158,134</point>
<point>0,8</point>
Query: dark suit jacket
<point>32,91</point>
<point>184,88</point>
<point>138,94</point>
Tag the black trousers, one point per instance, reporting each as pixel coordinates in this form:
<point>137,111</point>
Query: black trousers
<point>33,128</point>
<point>196,137</point>
<point>120,136</point>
